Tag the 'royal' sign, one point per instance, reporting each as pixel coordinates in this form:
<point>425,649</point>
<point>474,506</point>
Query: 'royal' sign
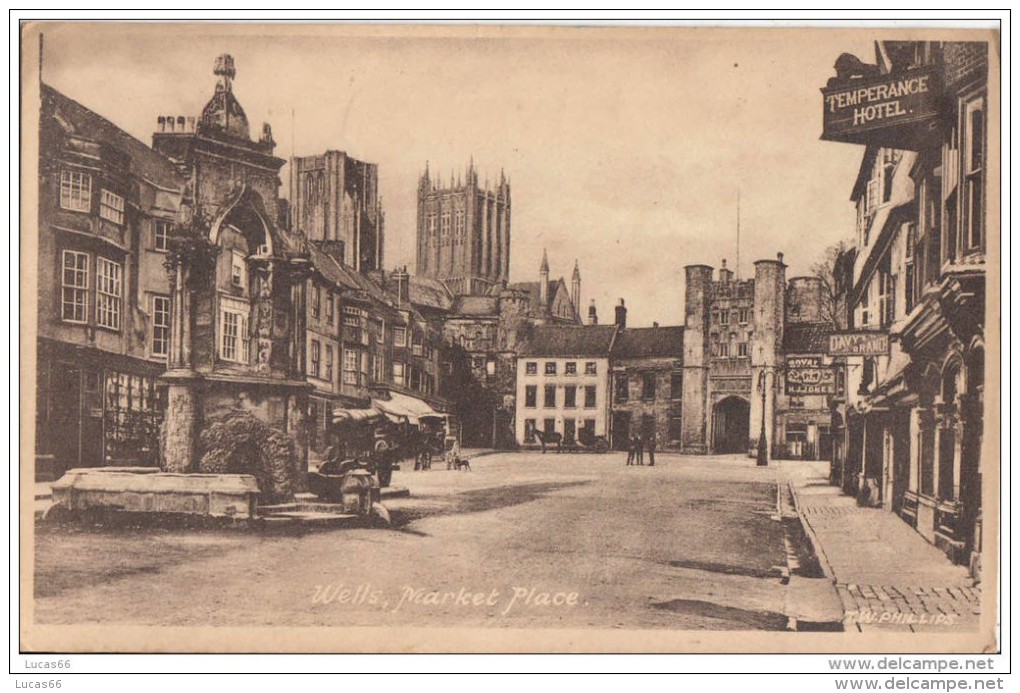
<point>891,110</point>
<point>859,344</point>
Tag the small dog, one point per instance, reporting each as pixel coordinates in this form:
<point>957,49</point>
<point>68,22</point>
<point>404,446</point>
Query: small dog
<point>460,464</point>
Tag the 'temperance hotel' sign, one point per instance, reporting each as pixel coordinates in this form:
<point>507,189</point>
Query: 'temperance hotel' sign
<point>890,110</point>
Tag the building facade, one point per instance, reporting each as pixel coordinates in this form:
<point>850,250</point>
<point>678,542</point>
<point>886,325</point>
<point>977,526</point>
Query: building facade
<point>107,206</point>
<point>915,416</point>
<point>732,355</point>
<point>647,386</point>
<point>563,382</point>
<point>463,235</point>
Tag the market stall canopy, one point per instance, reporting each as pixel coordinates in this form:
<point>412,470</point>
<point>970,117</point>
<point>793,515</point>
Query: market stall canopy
<point>356,415</point>
<point>402,407</point>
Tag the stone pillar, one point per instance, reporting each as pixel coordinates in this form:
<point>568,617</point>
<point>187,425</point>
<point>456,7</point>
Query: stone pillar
<point>297,427</point>
<point>180,440</point>
<point>181,422</point>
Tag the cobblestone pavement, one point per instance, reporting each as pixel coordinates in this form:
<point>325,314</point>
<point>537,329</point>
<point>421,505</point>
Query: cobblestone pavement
<point>886,575</point>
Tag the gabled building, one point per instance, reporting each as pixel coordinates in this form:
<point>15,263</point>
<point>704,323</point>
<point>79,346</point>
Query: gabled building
<point>107,207</point>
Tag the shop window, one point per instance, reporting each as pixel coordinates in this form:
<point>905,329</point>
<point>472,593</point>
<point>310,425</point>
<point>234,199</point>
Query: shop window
<point>75,191</point>
<point>74,299</point>
<point>109,290</point>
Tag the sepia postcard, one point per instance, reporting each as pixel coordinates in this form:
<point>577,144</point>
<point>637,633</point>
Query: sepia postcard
<point>547,339</point>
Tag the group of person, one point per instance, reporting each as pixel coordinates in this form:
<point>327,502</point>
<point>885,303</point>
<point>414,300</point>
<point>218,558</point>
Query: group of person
<point>636,448</point>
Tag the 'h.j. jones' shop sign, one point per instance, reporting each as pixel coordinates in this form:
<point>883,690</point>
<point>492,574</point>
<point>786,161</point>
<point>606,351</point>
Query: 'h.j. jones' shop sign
<point>889,110</point>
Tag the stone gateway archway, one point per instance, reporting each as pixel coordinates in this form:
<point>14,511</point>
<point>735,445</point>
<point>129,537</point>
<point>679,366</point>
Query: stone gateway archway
<point>731,420</point>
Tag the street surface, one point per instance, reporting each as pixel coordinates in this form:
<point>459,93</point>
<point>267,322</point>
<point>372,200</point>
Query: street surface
<point>522,540</point>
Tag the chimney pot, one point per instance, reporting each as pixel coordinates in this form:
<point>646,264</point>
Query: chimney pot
<point>779,256</point>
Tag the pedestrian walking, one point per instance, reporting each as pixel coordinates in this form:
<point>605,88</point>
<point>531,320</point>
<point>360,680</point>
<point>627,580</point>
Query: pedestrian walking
<point>650,446</point>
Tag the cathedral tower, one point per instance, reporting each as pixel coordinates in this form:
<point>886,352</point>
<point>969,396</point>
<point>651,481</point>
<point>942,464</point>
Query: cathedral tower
<point>463,233</point>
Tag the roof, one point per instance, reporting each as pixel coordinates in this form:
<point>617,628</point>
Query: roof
<point>591,341</point>
<point>476,305</point>
<point>806,338</point>
<point>430,292</point>
<point>649,342</point>
<point>146,163</point>
<point>533,289</point>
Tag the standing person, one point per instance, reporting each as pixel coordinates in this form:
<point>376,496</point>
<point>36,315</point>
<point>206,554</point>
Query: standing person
<point>640,444</point>
<point>631,450</point>
<point>650,445</point>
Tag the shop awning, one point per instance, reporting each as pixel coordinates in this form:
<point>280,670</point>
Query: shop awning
<point>356,415</point>
<point>405,408</point>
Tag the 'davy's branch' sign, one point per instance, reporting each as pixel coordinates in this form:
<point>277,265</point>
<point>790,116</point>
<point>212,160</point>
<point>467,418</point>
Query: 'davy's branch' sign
<point>859,344</point>
<point>890,110</point>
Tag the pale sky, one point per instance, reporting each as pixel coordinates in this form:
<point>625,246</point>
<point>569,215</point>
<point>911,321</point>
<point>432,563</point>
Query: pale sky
<point>624,150</point>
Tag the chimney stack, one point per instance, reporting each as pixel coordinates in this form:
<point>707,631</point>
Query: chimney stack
<point>621,315</point>
<point>593,318</point>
